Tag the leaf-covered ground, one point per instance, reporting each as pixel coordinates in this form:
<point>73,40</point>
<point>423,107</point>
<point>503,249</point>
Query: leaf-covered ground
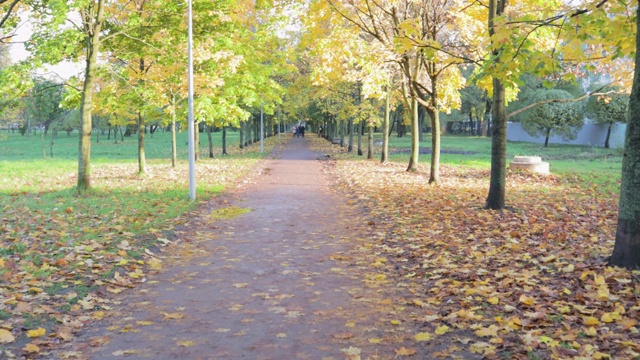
<point>437,274</point>
<point>64,257</point>
<point>527,282</point>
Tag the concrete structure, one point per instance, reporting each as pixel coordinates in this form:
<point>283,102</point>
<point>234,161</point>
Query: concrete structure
<point>589,135</point>
<point>531,163</point>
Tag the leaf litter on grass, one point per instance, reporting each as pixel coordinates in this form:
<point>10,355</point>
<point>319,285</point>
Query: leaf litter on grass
<point>63,256</point>
<point>529,281</point>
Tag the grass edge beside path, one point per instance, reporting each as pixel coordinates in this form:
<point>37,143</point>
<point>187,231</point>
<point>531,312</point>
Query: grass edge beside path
<point>64,257</point>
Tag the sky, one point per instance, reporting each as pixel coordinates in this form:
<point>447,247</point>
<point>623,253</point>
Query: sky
<point>17,51</point>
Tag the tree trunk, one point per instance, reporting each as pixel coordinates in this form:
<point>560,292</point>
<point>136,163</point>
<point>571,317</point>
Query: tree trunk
<point>249,136</point>
<point>360,126</point>
<point>626,251</point>
<point>241,136</point>
<point>606,140</point>
<point>142,161</point>
<point>224,140</point>
<point>434,177</point>
<point>415,143</point>
<point>384,157</point>
<point>546,138</point>
<point>351,128</point>
<point>51,142</point>
<point>497,184</point>
<point>174,145</point>
<point>210,139</point>
<point>370,143</point>
<point>44,147</point>
<point>84,144</point>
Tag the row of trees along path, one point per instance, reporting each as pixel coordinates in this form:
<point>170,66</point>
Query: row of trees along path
<point>286,280</point>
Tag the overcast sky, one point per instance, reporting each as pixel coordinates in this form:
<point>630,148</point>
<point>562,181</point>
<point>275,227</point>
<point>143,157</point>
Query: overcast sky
<point>17,51</point>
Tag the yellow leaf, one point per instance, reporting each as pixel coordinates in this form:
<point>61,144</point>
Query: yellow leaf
<point>491,331</point>
<point>548,259</point>
<point>395,322</point>
<point>6,336</point>
<point>240,285</point>
<point>172,315</point>
<point>527,300</point>
<point>591,331</point>
<point>35,290</point>
<point>603,293</point>
<point>609,317</point>
<point>185,343</point>
<point>380,277</point>
<point>599,356</point>
<point>590,320</point>
<point>493,300</point>
<point>350,324</point>
<point>375,340</point>
<point>403,351</point>
<point>155,263</point>
<point>281,335</point>
<point>482,348</point>
<point>98,315</point>
<point>144,323</point>
<point>31,348</point>
<point>36,333</point>
<point>566,291</point>
<point>423,336</point>
<point>442,330</point>
<point>1,263</point>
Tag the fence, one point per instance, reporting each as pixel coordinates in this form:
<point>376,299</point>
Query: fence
<point>590,135</point>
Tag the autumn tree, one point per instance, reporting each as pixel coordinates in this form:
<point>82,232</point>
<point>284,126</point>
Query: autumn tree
<point>552,39</point>
<point>626,252</point>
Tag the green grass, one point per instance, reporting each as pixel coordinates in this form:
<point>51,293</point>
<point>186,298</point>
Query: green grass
<point>47,228</point>
<point>588,165</point>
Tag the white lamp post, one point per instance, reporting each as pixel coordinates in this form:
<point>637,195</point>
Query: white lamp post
<point>192,153</point>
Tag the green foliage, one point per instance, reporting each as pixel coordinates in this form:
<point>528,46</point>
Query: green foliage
<point>608,108</point>
<point>43,102</point>
<point>560,118</point>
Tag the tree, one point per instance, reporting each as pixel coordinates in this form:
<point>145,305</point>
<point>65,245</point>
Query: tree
<point>608,109</point>
<point>626,251</point>
<point>561,118</point>
<point>591,36</point>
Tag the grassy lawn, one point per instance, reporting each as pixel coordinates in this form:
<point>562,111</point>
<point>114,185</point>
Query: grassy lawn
<point>592,166</point>
<point>58,247</point>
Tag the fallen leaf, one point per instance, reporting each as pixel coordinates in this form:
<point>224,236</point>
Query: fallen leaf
<point>36,333</point>
<point>440,330</point>
<point>173,316</point>
<point>185,343</point>
<point>403,351</point>
<point>31,348</point>
<point>6,336</point>
<point>423,336</point>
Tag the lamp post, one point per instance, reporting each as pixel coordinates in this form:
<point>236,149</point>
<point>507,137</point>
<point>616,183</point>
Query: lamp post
<point>261,127</point>
<point>192,153</point>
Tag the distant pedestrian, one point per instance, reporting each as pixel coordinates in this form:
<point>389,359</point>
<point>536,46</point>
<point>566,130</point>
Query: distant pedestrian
<point>302,130</point>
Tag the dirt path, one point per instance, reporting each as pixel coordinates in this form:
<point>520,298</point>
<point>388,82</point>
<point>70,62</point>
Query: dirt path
<point>282,281</point>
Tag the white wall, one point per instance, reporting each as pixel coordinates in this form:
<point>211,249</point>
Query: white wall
<point>590,134</point>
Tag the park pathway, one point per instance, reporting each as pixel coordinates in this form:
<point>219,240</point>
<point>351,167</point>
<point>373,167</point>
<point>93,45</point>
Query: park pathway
<point>282,281</point>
